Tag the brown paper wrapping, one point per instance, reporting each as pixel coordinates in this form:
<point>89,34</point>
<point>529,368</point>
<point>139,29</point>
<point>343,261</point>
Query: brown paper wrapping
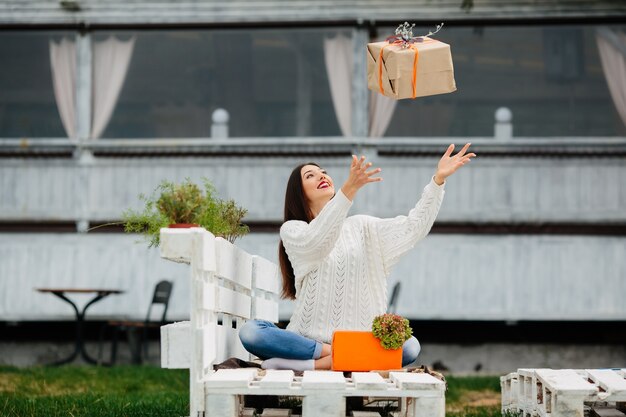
<point>435,73</point>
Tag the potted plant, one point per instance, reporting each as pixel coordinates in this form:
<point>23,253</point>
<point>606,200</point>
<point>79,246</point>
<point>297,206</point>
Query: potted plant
<point>185,205</point>
<point>380,349</point>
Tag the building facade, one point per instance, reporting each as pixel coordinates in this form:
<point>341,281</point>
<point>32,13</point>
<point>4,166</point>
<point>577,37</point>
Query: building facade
<point>100,101</point>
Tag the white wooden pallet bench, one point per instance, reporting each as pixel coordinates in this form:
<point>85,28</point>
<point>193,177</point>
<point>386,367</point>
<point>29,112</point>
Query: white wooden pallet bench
<point>228,287</point>
<point>563,392</point>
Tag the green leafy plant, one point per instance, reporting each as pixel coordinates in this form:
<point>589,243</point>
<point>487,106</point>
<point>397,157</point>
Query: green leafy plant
<point>392,330</point>
<point>186,203</point>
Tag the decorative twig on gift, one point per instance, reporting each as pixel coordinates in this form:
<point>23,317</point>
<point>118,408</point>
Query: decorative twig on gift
<point>404,35</point>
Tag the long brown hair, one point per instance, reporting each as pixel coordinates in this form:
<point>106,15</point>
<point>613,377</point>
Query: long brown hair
<point>296,208</point>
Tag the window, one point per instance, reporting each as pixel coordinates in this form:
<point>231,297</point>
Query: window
<point>550,77</point>
<point>271,82</point>
<point>27,103</point>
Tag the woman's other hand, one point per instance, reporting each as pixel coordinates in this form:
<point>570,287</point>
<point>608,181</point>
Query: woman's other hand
<point>449,164</point>
<point>359,176</point>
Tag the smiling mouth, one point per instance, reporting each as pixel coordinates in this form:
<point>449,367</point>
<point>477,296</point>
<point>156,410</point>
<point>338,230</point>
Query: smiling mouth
<point>323,184</point>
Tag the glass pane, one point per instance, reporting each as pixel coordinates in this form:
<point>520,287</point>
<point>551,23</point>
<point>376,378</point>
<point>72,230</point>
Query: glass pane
<point>272,83</point>
<point>27,104</point>
<point>549,76</point>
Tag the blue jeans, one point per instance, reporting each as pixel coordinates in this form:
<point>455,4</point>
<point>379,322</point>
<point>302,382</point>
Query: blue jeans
<point>265,340</point>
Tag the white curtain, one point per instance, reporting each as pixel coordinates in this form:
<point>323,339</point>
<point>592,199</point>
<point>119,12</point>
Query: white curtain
<point>338,53</point>
<point>63,64</point>
<point>338,58</point>
<point>110,65</point>
<point>380,114</point>
<point>612,48</point>
<point>111,58</point>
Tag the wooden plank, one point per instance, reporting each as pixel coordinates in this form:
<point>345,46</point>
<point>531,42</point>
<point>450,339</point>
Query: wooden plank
<point>327,404</point>
<point>369,380</point>
<point>176,345</point>
<point>426,407</point>
<point>233,264</point>
<point>565,381</point>
<point>605,412</point>
<point>206,347</point>
<point>277,379</point>
<point>265,275</point>
<point>610,381</point>
<point>413,381</point>
<point>324,380</point>
<point>506,388</point>
<point>222,405</point>
<point>175,245</point>
<point>208,261</point>
<point>265,309</point>
<point>229,378</point>
<point>232,302</point>
<point>233,347</point>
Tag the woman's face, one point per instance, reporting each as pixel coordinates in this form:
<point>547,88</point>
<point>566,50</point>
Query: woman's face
<point>317,185</point>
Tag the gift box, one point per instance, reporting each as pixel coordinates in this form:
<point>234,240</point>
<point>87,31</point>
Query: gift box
<point>353,350</point>
<point>422,68</point>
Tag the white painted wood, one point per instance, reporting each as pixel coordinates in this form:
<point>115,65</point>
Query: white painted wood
<point>265,275</point>
<point>223,405</point>
<point>265,309</point>
<point>175,345</point>
<point>561,393</point>
<point>175,245</point>
<point>566,382</point>
<point>612,383</point>
<point>324,380</point>
<point>369,381</point>
<point>207,346</point>
<point>414,381</point>
<point>233,263</point>
<point>218,393</point>
<point>426,407</point>
<point>224,378</point>
<point>232,302</point>
<point>509,390</point>
<point>277,379</point>
<point>324,404</point>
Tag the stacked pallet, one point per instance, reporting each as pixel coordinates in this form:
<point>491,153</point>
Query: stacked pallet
<point>565,392</point>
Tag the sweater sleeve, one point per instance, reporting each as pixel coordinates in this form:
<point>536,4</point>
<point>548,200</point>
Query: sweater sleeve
<point>307,244</point>
<point>398,235</point>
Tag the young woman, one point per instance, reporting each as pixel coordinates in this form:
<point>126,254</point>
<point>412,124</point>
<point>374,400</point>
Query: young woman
<point>335,266</point>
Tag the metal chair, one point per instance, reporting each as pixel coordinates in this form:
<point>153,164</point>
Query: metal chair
<point>137,343</point>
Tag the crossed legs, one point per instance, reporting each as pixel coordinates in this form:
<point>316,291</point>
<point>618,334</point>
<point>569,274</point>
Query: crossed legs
<point>283,349</point>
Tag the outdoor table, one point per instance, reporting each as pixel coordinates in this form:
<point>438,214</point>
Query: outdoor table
<point>80,316</point>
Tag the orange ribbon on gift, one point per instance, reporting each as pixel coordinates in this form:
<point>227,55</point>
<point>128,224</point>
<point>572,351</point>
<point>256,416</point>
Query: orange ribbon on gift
<point>415,61</point>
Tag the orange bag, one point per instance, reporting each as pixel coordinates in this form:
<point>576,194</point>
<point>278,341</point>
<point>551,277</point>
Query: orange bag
<point>354,350</point>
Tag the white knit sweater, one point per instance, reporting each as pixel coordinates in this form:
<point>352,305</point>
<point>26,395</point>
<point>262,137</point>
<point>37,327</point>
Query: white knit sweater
<point>341,264</point>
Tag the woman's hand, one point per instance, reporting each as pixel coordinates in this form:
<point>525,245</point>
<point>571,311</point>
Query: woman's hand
<point>359,176</point>
<point>449,164</point>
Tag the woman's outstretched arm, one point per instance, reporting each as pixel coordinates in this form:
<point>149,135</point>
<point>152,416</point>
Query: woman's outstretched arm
<point>398,235</point>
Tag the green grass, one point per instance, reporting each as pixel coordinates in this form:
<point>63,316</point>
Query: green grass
<point>91,391</point>
<point>149,391</point>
